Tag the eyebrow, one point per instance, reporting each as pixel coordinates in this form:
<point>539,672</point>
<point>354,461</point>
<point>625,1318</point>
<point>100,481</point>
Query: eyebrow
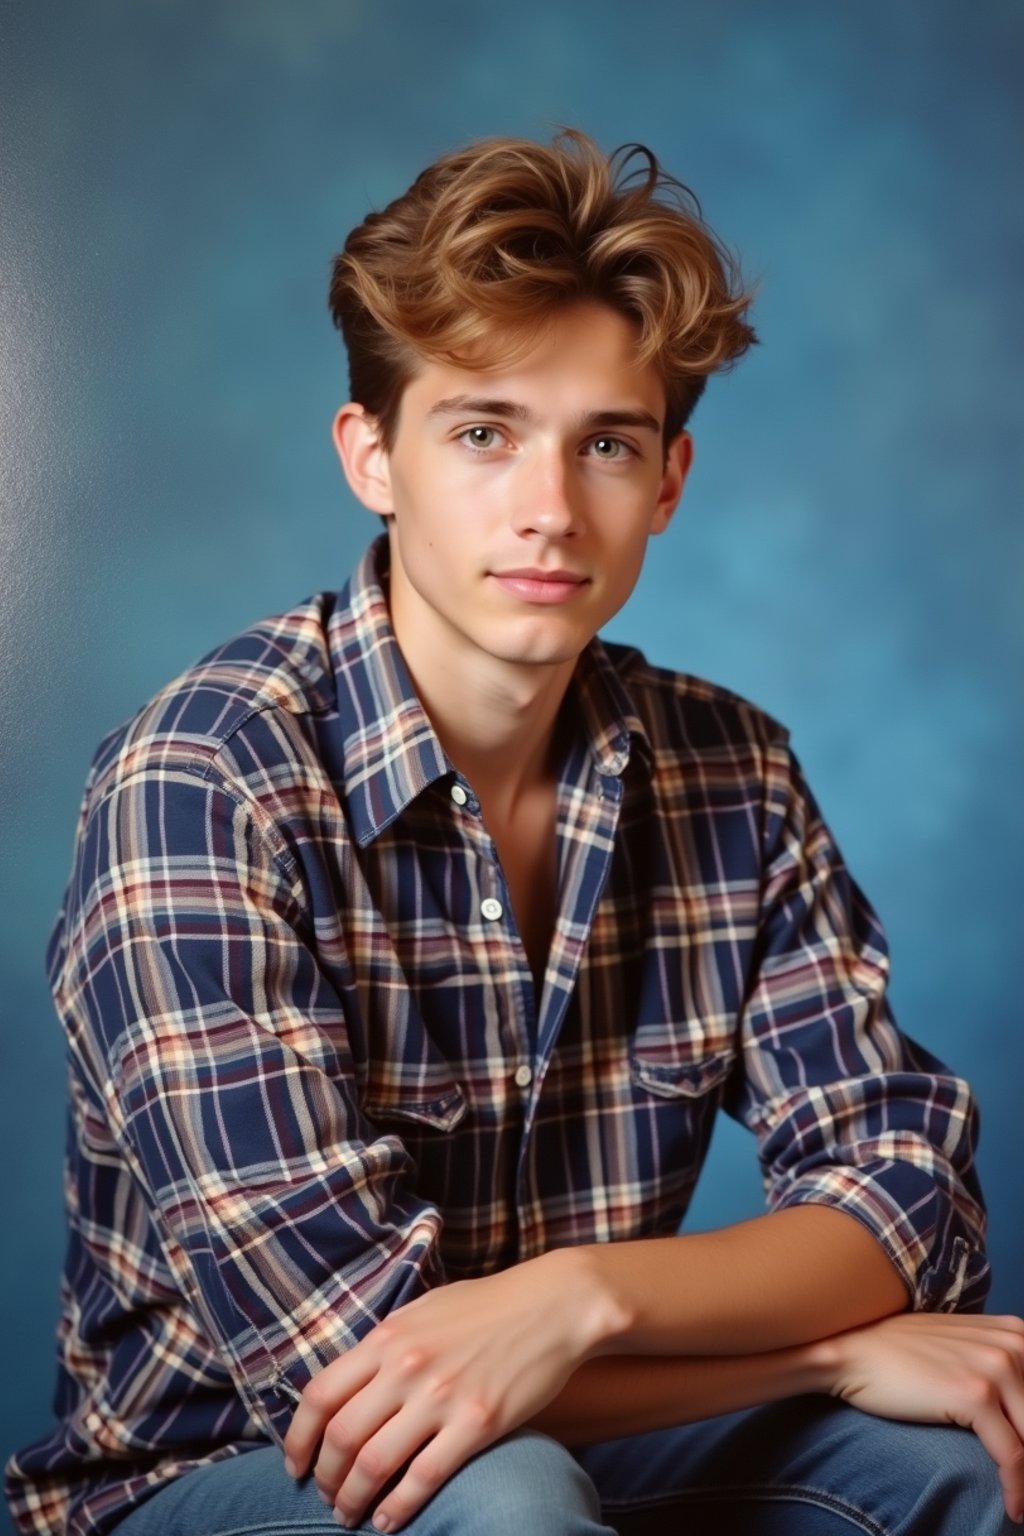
<point>512,410</point>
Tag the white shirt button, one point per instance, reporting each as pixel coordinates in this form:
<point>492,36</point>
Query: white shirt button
<point>459,794</point>
<point>491,908</point>
<point>524,1077</point>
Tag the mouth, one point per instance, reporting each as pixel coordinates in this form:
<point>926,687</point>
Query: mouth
<point>535,585</point>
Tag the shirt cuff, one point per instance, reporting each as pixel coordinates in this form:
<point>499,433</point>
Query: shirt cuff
<point>936,1247</point>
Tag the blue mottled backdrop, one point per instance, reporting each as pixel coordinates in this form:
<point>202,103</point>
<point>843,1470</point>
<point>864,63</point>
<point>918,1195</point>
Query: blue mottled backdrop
<point>174,176</point>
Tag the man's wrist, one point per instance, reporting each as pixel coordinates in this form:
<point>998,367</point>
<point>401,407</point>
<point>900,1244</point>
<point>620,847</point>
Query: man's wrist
<point>597,1316</point>
<point>822,1361</point>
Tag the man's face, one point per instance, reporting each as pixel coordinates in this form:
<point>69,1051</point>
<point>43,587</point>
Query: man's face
<point>520,500</point>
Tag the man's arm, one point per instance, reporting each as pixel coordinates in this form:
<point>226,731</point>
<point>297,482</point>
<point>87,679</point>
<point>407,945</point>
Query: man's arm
<point>786,1278</point>
<point>867,1147</point>
<point>466,1364</point>
<point>919,1367</point>
<point>598,1342</point>
<point>196,1006</point>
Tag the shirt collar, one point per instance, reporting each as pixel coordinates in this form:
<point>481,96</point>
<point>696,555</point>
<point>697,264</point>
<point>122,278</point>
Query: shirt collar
<point>609,718</point>
<point>391,751</point>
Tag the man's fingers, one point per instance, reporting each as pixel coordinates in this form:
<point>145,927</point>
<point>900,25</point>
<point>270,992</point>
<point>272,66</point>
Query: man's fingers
<point>327,1392</point>
<point>358,1433</point>
<point>994,1408</point>
<point>999,1357</point>
<point>439,1460</point>
<point>1003,1444</point>
<point>377,1461</point>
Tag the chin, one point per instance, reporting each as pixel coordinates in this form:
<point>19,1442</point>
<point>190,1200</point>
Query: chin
<point>539,655</point>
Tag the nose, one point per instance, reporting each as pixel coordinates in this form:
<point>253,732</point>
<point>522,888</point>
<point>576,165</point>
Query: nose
<point>549,504</point>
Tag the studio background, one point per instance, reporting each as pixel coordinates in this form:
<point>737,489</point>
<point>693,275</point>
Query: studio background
<point>174,178</point>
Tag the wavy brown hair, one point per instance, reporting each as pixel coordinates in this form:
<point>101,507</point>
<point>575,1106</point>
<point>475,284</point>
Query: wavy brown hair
<point>490,242</point>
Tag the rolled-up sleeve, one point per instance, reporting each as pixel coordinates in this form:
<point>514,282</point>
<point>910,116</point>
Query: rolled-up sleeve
<point>199,1014</point>
<point>848,1111</point>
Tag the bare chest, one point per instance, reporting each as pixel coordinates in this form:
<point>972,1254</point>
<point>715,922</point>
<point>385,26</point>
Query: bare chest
<point>527,848</point>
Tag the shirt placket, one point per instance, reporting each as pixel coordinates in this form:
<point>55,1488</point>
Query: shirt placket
<point>586,835</point>
<point>516,1001</point>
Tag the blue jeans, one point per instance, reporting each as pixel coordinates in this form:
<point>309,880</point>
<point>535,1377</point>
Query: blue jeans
<point>805,1467</point>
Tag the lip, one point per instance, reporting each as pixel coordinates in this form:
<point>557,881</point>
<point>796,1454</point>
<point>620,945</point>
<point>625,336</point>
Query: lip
<point>536,585</point>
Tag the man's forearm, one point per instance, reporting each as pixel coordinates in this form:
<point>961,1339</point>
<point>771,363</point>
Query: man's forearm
<point>619,1395</point>
<point>595,1342</point>
<point>780,1280</point>
<point>721,1320</point>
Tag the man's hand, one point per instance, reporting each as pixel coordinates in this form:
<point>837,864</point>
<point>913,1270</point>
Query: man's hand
<point>437,1381</point>
<point>941,1369</point>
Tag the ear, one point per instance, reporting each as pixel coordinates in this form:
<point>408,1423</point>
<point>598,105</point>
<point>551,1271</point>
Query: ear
<point>678,458</point>
<point>363,457</point>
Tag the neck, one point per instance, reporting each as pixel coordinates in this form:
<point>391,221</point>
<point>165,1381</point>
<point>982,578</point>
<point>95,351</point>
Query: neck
<point>497,724</point>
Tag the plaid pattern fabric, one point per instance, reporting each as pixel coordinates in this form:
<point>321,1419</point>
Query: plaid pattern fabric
<point>309,1075</point>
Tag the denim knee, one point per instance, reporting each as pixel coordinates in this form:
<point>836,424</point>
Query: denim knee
<point>902,1479</point>
<point>526,1484</point>
<point>803,1465</point>
<point>951,1483</point>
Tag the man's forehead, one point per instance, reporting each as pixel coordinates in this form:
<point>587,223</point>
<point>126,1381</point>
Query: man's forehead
<point>512,409</point>
<point>587,352</point>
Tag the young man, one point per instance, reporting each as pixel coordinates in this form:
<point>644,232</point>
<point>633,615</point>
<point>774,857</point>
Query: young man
<point>415,938</point>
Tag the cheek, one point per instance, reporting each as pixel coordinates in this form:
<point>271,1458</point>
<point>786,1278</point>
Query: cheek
<point>429,553</point>
<point>626,561</point>
<point>625,530</point>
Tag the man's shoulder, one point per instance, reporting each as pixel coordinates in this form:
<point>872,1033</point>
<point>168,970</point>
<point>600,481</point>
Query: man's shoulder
<point>262,681</point>
<point>679,711</point>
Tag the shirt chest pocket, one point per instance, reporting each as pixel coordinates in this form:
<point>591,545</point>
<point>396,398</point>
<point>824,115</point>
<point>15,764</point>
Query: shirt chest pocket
<point>409,1081</point>
<point>418,1102</point>
<point>680,1061</point>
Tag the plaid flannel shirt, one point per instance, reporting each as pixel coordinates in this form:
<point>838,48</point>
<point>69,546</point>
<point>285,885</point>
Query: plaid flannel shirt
<point>309,1072</point>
